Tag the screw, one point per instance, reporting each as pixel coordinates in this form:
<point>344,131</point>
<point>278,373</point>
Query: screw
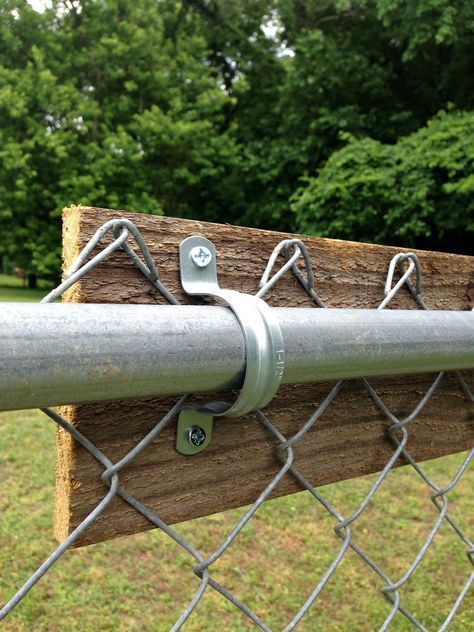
<point>201,256</point>
<point>196,436</point>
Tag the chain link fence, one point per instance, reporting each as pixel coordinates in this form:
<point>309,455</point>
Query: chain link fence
<point>290,252</point>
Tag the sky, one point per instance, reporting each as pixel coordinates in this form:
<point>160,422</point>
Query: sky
<point>39,5</point>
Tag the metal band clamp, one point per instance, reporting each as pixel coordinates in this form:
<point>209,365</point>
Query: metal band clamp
<point>264,352</point>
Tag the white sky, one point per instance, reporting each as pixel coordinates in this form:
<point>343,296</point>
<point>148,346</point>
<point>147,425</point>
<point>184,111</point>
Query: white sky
<point>39,5</point>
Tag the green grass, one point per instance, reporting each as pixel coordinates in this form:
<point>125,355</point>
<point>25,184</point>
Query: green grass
<point>12,290</point>
<point>20,295</point>
<point>143,582</point>
<point>7,280</point>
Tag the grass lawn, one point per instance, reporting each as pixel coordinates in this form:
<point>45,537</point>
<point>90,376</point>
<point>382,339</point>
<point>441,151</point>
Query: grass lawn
<point>11,289</point>
<point>143,582</point>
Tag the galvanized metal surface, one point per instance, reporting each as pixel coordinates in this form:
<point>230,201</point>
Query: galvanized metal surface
<point>193,431</point>
<point>263,340</point>
<point>53,354</point>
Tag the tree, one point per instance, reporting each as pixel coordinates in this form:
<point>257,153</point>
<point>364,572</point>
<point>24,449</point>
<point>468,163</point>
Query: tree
<point>419,191</point>
<point>210,108</point>
<point>125,117</point>
<point>368,68</point>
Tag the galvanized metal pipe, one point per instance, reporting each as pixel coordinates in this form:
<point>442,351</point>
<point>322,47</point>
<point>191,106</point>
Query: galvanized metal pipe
<point>53,354</point>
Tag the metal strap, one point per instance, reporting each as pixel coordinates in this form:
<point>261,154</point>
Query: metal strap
<point>264,352</point>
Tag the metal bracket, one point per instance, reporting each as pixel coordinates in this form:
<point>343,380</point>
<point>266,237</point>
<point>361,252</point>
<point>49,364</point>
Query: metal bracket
<point>194,431</point>
<point>264,352</point>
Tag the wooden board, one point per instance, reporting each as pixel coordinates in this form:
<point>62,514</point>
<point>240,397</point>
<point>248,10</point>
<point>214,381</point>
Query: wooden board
<point>349,439</point>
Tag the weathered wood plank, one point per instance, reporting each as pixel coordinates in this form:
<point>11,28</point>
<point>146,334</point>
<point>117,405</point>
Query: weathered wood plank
<point>350,438</point>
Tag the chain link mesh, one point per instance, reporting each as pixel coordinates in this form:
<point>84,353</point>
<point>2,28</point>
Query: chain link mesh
<point>124,233</point>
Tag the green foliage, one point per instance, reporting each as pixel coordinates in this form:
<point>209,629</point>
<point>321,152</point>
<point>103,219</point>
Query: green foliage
<point>427,22</point>
<point>380,69</point>
<point>125,117</point>
<point>419,190</point>
<point>212,108</point>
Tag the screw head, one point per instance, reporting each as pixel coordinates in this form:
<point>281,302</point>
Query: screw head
<point>201,256</point>
<point>196,436</point>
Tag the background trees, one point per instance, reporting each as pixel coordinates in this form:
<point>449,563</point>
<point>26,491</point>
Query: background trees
<point>418,191</point>
<point>286,114</point>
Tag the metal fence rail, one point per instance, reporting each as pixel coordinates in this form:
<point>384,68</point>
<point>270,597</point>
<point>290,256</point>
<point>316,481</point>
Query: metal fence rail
<point>202,349</point>
<point>124,232</point>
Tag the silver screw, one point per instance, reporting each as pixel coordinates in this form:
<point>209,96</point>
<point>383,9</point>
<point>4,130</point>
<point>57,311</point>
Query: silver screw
<point>201,256</point>
<point>196,436</point>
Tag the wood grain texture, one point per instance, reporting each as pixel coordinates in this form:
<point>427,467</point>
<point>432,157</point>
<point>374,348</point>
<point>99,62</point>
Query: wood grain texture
<point>349,440</point>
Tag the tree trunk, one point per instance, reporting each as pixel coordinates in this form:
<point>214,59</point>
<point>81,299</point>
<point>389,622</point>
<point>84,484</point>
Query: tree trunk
<point>32,281</point>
